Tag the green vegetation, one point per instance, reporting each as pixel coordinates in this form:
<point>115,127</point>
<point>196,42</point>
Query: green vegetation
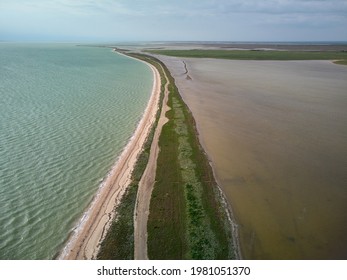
<point>341,62</point>
<point>187,219</point>
<point>119,240</point>
<point>256,54</point>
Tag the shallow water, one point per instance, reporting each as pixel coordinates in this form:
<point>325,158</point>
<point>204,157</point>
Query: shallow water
<point>276,134</point>
<point>66,113</point>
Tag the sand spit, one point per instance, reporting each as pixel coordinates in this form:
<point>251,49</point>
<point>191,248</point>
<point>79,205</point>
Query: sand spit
<point>84,242</point>
<point>146,185</point>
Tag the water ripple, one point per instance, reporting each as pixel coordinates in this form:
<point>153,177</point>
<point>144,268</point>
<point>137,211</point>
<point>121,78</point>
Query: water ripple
<point>65,115</point>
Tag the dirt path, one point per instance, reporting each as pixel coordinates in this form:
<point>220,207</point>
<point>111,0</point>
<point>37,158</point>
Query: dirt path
<point>85,241</point>
<point>146,185</point>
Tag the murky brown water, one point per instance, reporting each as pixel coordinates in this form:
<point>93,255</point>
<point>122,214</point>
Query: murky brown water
<point>276,133</point>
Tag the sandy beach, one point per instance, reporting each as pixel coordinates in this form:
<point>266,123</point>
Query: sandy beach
<point>85,240</point>
<point>275,134</point>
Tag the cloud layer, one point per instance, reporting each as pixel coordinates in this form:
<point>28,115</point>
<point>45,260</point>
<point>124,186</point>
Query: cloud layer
<point>113,20</point>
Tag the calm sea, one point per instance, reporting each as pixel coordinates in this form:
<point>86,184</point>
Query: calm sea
<point>66,113</point>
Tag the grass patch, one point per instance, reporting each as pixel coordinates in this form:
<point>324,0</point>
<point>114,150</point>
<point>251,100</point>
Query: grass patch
<point>255,55</point>
<point>341,62</point>
<point>119,240</point>
<point>186,220</point>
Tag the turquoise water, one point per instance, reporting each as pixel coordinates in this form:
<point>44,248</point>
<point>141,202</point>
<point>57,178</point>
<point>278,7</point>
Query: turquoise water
<point>66,113</point>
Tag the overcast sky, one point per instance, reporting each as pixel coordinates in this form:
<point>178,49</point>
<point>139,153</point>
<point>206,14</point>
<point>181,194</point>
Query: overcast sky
<point>164,20</point>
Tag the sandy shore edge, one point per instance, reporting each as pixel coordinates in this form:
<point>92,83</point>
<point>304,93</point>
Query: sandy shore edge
<point>84,242</point>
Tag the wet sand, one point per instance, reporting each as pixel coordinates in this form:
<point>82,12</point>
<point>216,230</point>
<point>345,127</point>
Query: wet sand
<point>276,135</point>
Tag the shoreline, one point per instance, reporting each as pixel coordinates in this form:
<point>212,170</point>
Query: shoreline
<point>84,240</point>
